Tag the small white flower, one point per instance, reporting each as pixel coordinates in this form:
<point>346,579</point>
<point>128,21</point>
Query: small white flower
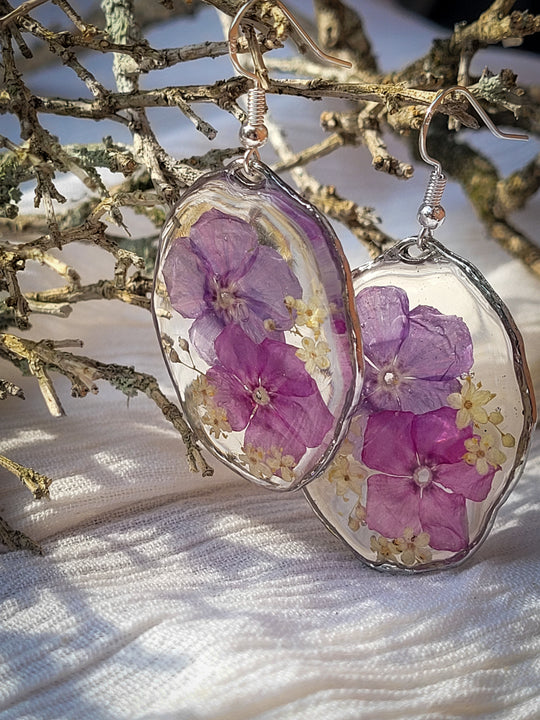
<point>385,548</point>
<point>413,548</point>
<point>347,475</point>
<point>314,355</point>
<point>357,517</point>
<point>469,404</point>
<point>310,314</point>
<point>202,392</point>
<point>216,418</point>
<point>482,453</point>
<point>254,458</point>
<point>283,464</point>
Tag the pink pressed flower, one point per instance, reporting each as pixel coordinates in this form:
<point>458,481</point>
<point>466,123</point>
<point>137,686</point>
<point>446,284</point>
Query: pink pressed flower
<point>413,357</point>
<point>265,389</point>
<point>422,480</point>
<point>222,275</point>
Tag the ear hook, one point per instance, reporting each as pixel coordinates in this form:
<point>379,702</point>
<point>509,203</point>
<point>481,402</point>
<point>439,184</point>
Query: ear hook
<point>235,29</point>
<point>479,109</point>
<point>253,133</point>
<point>431,214</point>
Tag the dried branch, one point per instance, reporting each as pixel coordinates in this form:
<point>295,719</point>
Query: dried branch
<point>378,105</point>
<point>364,128</point>
<point>43,357</point>
<point>9,389</point>
<point>17,540</point>
<point>39,487</point>
<point>224,93</point>
<point>35,482</point>
<point>514,191</point>
<point>489,197</point>
<point>359,220</point>
<point>23,9</point>
<point>134,293</point>
<point>494,25</point>
<point>341,32</point>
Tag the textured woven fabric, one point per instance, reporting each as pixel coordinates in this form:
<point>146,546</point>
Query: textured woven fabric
<point>165,596</point>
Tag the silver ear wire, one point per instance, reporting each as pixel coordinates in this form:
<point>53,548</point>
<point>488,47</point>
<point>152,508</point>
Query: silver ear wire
<point>431,214</point>
<point>253,133</point>
<point>234,30</point>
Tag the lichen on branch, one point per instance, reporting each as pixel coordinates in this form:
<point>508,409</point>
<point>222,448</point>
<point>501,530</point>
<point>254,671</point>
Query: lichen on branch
<point>377,106</point>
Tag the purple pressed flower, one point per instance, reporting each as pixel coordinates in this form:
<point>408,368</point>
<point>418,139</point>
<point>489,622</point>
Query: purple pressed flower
<point>413,357</point>
<point>265,389</point>
<point>221,275</point>
<point>422,480</point>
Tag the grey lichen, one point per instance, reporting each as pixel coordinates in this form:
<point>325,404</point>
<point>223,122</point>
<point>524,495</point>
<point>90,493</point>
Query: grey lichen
<point>381,104</point>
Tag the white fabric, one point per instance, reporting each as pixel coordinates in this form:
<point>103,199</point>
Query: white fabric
<point>162,595</point>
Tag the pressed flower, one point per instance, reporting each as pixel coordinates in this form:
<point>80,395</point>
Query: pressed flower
<point>270,325</point>
<point>495,417</point>
<point>216,418</point>
<point>167,344</point>
<point>508,440</point>
<point>201,391</point>
<point>221,275</point>
<point>290,303</point>
<point>385,549</point>
<point>413,357</point>
<point>264,464</point>
<point>469,403</point>
<point>357,517</point>
<point>346,447</point>
<point>421,481</point>
<point>281,464</point>
<point>413,548</point>
<point>314,355</point>
<point>310,314</point>
<point>347,475</point>
<point>254,458</point>
<point>483,454</point>
<point>267,392</point>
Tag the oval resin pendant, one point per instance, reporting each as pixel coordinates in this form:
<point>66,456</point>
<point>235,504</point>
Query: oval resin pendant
<point>445,417</point>
<point>254,309</point>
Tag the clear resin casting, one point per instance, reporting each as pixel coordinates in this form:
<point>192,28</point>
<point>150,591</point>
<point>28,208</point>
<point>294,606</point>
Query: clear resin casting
<point>254,308</point>
<point>444,423</point>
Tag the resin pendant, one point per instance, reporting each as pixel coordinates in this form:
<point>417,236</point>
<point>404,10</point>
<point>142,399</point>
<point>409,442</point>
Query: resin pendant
<point>443,426</point>
<point>254,309</point>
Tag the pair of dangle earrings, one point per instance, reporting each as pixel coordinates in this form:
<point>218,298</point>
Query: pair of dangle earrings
<point>397,394</point>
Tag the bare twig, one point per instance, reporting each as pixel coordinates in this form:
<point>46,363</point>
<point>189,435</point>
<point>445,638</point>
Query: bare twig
<point>378,105</point>
<point>359,220</point>
<point>514,191</point>
<point>17,540</point>
<point>23,8</point>
<point>45,356</point>
<point>35,482</point>
<point>341,31</point>
<point>480,180</point>
<point>10,389</point>
<point>496,24</point>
